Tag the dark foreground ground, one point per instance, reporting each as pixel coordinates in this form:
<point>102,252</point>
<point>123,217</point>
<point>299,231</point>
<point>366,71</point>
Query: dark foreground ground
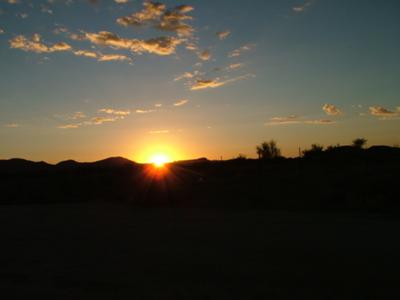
<point>105,251</point>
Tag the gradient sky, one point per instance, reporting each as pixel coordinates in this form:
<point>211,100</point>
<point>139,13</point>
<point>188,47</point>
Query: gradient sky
<point>92,79</point>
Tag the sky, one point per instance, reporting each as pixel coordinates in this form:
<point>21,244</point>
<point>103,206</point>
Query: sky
<point>87,80</point>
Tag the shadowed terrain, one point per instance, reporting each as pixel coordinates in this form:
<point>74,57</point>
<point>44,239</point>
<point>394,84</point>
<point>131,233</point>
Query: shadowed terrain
<point>345,178</point>
<point>97,251</point>
<point>319,227</point>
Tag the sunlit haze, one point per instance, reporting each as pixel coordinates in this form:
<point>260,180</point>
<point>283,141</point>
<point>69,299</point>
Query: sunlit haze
<point>159,82</point>
<point>159,160</point>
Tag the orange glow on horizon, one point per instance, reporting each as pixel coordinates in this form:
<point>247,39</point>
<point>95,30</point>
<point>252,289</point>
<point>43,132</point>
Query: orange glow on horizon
<point>156,153</point>
<point>159,160</point>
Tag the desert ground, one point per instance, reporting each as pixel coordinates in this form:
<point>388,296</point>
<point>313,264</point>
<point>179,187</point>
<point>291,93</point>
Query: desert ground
<point>105,251</point>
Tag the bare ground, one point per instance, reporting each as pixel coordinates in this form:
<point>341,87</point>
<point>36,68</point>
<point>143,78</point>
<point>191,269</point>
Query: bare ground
<point>87,251</point>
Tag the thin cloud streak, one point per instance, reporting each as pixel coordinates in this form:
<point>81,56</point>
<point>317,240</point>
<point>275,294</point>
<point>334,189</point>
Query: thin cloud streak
<point>144,111</point>
<point>294,119</point>
<point>181,102</point>
<point>12,125</point>
<point>239,51</point>
<point>165,131</point>
<point>300,8</point>
<point>201,84</point>
<point>222,35</point>
<point>112,111</point>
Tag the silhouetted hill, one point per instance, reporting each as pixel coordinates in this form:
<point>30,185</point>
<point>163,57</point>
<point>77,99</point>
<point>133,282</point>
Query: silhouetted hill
<point>112,162</point>
<point>191,161</point>
<point>16,165</point>
<point>108,163</point>
<point>353,154</point>
<point>68,164</point>
<point>342,178</point>
<point>384,152</point>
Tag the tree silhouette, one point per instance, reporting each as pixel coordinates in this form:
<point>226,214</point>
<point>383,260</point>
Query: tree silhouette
<point>315,150</point>
<point>268,150</point>
<point>359,143</point>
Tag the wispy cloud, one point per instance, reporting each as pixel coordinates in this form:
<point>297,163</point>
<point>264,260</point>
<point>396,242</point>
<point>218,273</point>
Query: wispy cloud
<point>165,45</point>
<point>205,55</point>
<point>223,34</point>
<point>181,102</point>
<point>188,75</point>
<point>191,46</point>
<point>200,84</point>
<point>113,57</point>
<point>12,125</point>
<point>86,53</point>
<point>46,9</point>
<point>78,115</point>
<point>144,111</point>
<point>158,16</point>
<point>22,15</point>
<point>60,29</point>
<point>239,51</point>
<point>102,57</point>
<point>112,111</point>
<point>101,120</point>
<point>235,66</point>
<point>150,12</point>
<point>69,126</point>
<point>331,110</point>
<point>319,122</point>
<point>35,44</point>
<point>109,115</point>
<point>294,119</point>
<point>98,120</point>
<point>384,113</point>
<point>163,131</point>
<point>73,116</point>
<point>173,20</point>
<point>299,8</point>
<point>77,36</point>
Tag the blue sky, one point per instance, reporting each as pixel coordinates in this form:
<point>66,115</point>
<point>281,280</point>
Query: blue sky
<point>88,80</point>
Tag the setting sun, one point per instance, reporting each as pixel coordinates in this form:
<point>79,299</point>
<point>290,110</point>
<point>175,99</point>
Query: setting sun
<point>156,153</point>
<point>159,160</point>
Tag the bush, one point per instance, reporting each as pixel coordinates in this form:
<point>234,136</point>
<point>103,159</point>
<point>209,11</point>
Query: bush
<point>268,150</point>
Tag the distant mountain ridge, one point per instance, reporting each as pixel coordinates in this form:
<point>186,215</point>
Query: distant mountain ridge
<point>338,178</point>
<point>16,165</point>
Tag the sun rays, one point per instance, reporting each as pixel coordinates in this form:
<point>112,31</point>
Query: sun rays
<point>159,160</point>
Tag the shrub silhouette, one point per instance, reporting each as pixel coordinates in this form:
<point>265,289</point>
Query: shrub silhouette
<point>359,143</point>
<point>332,147</point>
<point>315,150</point>
<point>268,150</point>
<point>241,157</point>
